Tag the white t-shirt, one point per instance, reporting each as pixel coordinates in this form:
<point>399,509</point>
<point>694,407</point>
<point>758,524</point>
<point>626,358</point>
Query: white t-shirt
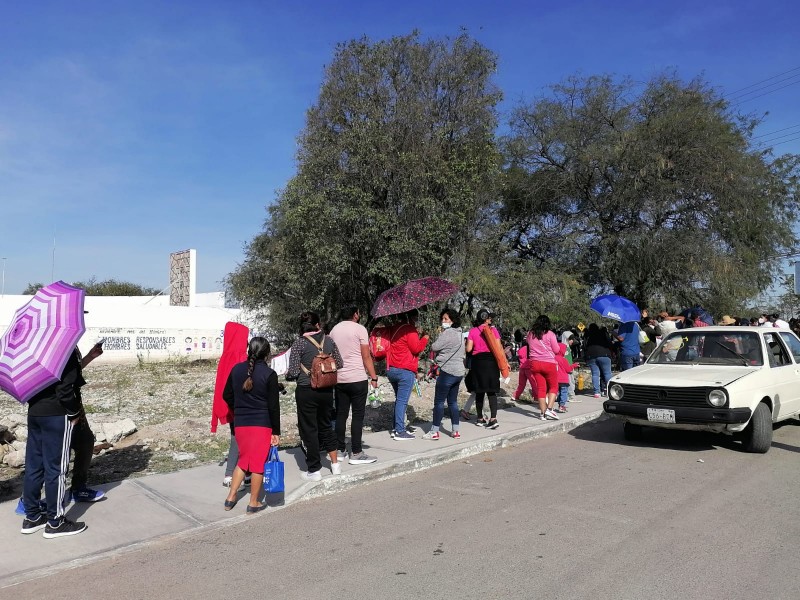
<point>349,337</point>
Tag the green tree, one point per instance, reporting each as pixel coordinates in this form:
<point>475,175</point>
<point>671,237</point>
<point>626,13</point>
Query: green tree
<point>107,287</point>
<point>396,162</point>
<point>655,193</point>
<point>32,288</point>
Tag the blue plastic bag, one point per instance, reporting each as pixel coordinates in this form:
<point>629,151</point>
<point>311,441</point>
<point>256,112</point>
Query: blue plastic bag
<point>273,472</point>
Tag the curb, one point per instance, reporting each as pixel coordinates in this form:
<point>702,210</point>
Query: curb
<point>310,490</point>
<point>434,457</point>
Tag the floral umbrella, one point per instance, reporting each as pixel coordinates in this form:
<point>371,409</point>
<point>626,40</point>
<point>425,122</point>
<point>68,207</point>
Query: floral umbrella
<point>40,339</point>
<point>412,294</point>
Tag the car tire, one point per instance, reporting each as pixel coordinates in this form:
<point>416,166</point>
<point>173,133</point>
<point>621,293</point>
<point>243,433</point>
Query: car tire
<point>757,436</point>
<point>633,432</point>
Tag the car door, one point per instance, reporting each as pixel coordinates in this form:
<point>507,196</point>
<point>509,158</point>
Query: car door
<point>793,344</point>
<point>785,376</point>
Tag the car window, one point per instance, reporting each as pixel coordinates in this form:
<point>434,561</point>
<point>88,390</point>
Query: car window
<point>698,346</point>
<point>793,343</point>
<point>776,351</point>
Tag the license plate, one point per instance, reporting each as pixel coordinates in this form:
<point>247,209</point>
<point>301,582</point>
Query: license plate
<point>661,415</point>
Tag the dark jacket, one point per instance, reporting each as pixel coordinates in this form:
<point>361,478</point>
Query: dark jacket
<point>64,396</point>
<point>303,352</point>
<point>260,406</point>
<point>598,343</point>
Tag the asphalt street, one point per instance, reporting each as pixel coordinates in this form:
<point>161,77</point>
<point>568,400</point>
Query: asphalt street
<point>576,515</point>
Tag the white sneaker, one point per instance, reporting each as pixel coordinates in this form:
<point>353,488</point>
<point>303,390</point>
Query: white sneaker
<point>227,481</point>
<point>551,414</point>
<point>315,476</point>
<point>336,468</point>
<point>341,456</point>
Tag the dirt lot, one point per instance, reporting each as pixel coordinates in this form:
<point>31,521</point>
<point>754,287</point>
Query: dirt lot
<point>170,402</point>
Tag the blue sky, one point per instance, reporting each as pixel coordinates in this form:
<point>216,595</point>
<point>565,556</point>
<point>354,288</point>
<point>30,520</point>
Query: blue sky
<point>132,129</point>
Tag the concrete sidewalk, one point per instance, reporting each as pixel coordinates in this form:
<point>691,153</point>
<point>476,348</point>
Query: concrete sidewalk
<point>143,510</point>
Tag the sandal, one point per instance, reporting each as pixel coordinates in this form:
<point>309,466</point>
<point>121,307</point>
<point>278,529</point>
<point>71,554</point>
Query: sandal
<point>255,509</point>
<point>229,504</point>
<point>465,415</point>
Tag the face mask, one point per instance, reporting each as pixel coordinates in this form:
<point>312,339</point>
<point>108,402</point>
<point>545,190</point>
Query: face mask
<point>446,325</point>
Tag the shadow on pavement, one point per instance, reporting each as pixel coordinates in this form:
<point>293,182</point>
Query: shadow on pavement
<point>609,431</point>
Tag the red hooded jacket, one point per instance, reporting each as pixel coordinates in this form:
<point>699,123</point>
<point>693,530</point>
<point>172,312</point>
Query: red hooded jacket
<point>234,350</point>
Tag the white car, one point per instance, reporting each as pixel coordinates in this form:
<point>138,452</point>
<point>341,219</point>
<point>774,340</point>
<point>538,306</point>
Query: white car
<point>734,380</point>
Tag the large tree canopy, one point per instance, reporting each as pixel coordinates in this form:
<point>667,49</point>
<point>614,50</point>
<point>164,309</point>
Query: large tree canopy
<point>395,162</point>
<point>655,191</point>
<point>655,194</point>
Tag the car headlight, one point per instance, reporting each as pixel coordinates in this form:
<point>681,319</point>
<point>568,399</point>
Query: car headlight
<point>616,391</point>
<point>717,398</point>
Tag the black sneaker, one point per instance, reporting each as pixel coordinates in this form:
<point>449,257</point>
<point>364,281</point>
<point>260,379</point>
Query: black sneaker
<point>34,525</point>
<point>66,527</point>
<point>481,422</point>
<point>492,424</point>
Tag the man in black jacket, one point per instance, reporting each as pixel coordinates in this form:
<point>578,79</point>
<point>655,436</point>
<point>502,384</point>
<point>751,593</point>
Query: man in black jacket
<point>52,414</point>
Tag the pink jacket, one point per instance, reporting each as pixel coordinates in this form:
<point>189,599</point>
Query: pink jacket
<point>564,368</point>
<point>522,353</point>
<point>542,350</point>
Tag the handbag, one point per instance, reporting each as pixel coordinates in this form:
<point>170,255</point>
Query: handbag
<point>643,337</point>
<point>273,472</point>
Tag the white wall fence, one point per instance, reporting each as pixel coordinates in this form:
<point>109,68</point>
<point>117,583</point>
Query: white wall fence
<point>146,328</point>
<point>133,344</point>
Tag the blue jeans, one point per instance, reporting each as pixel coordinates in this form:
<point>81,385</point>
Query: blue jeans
<point>599,365</point>
<point>628,361</point>
<point>563,394</point>
<point>446,389</point>
<point>402,381</point>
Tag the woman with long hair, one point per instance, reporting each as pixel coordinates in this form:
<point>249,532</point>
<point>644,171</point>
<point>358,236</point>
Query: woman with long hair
<point>252,393</point>
<point>314,405</point>
<point>484,370</point>
<point>542,351</point>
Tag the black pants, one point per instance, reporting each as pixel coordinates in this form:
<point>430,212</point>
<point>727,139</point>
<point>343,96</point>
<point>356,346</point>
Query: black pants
<point>313,421</point>
<point>351,395</point>
<point>492,405</point>
<point>46,464</point>
<point>83,445</point>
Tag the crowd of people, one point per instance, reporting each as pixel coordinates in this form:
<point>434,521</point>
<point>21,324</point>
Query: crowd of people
<point>547,359</point>
<point>334,369</point>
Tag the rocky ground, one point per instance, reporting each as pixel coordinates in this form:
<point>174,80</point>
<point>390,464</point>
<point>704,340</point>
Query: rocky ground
<point>169,405</point>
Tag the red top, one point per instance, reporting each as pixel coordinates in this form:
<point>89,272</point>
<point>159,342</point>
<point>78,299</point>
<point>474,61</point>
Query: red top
<point>405,346</point>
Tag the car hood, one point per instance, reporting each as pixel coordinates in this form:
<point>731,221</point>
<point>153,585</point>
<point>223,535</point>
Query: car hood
<point>683,375</point>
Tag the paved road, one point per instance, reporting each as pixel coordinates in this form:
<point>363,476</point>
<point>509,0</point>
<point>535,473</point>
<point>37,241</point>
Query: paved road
<point>578,515</point>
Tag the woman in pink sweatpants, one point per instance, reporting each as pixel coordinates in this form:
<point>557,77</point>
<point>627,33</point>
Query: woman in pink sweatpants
<point>525,375</point>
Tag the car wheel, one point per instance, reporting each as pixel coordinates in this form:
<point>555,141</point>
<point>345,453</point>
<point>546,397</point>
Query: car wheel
<point>633,432</point>
<point>758,433</point>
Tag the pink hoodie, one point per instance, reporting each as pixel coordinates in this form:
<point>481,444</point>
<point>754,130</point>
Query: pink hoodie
<point>564,368</point>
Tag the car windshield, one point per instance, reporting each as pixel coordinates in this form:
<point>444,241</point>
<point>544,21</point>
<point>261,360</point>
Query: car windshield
<point>696,346</point>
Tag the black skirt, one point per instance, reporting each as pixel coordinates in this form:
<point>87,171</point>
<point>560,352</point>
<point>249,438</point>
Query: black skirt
<point>485,373</point>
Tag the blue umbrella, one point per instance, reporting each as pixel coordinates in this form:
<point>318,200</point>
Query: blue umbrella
<point>616,307</point>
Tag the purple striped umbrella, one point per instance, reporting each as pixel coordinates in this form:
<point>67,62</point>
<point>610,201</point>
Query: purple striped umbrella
<point>412,294</point>
<point>36,346</point>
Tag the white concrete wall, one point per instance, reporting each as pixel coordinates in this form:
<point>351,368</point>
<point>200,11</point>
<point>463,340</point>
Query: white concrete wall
<point>143,326</point>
